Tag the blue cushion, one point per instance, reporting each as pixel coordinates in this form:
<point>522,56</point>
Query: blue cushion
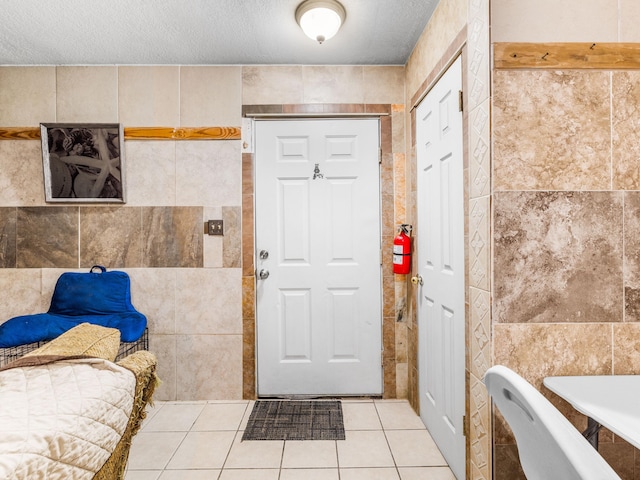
<point>99,298</point>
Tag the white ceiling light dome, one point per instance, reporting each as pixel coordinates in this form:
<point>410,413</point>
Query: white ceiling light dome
<point>320,19</point>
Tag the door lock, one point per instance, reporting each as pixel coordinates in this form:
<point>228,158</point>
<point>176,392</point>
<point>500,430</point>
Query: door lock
<point>264,254</point>
<point>417,280</point>
<point>263,274</point>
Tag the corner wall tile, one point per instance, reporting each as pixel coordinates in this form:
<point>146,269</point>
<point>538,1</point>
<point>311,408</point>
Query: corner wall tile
<point>87,94</point>
<point>570,150</point>
<point>553,250</point>
<point>479,243</point>
<point>480,446</point>
<point>383,84</point>
<point>480,157</point>
<point>480,332</point>
<point>27,96</point>
<point>58,248</point>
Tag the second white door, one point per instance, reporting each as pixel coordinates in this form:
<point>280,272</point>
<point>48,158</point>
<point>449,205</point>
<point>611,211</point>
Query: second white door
<point>319,317</point>
<point>441,301</point>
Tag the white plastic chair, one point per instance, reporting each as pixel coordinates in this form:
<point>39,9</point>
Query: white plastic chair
<point>549,446</point>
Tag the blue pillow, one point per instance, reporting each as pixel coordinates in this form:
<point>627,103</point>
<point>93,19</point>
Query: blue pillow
<point>102,298</point>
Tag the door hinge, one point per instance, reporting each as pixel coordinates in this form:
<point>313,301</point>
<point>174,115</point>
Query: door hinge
<point>465,429</point>
<point>380,156</point>
<point>460,100</point>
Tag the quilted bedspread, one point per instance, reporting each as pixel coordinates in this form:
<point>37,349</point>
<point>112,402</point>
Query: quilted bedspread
<point>62,420</point>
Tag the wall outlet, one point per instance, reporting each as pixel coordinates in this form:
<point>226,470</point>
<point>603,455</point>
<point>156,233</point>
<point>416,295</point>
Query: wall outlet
<point>215,227</point>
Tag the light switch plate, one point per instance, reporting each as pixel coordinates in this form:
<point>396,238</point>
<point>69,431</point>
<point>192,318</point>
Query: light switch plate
<point>215,227</point>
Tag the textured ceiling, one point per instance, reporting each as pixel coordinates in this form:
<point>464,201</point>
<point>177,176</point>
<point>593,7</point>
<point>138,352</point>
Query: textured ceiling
<point>215,32</point>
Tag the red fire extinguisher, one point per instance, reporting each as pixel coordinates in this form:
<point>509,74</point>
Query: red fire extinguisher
<point>402,250</point>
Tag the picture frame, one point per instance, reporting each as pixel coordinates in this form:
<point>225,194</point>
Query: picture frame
<point>83,162</point>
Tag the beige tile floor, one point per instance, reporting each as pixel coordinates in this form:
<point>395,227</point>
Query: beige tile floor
<point>385,440</point>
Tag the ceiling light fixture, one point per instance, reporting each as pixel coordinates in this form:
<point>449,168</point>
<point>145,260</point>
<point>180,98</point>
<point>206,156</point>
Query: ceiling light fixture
<point>320,19</point>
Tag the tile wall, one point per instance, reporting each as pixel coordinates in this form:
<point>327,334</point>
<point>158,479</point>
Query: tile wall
<point>194,289</point>
<point>565,234</point>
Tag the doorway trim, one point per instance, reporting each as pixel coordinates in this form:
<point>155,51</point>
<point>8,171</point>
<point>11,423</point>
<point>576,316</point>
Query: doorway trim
<point>394,338</point>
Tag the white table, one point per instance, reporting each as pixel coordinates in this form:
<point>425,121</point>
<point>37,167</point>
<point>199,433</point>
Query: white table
<point>612,401</point>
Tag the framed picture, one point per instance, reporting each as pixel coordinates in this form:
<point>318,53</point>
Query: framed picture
<point>83,162</point>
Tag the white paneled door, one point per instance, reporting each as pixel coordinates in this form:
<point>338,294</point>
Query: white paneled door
<point>441,274</point>
<point>319,315</point>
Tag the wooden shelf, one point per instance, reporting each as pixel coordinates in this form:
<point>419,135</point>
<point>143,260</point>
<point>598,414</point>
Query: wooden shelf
<point>604,56</point>
<point>141,133</point>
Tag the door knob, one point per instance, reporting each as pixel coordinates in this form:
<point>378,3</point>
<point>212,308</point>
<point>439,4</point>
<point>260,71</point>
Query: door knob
<point>263,274</point>
<point>417,280</point>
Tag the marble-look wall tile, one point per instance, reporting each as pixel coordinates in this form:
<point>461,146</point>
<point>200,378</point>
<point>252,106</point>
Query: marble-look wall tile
<point>47,237</point>
<point>209,301</point>
<point>572,21</point>
<point>111,236</point>
<point>87,94</point>
<point>628,17</point>
<point>149,96</point>
<point>400,188</point>
<point>210,96</point>
<point>213,250</point>
<point>27,96</point>
<point>209,366</point>
<point>20,292</point>
<point>570,149</point>
<point>208,173</point>
<point>383,84</point>
<point>535,351</point>
<point>153,293</point>
<point>232,251</point>
<point>8,219</point>
<point>333,84</point>
<point>625,129</point>
<point>164,348</point>
<point>150,173</point>
<point>558,257</point>
<point>266,84</point>
<point>248,337</point>
<point>172,237</point>
<point>626,348</point>
<point>402,380</point>
<point>21,182</point>
<point>632,256</point>
<point>399,140</point>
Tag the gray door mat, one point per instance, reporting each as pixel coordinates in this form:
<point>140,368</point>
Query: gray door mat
<point>295,420</point>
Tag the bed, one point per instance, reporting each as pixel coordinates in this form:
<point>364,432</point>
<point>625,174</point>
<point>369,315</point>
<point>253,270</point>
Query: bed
<point>69,410</point>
